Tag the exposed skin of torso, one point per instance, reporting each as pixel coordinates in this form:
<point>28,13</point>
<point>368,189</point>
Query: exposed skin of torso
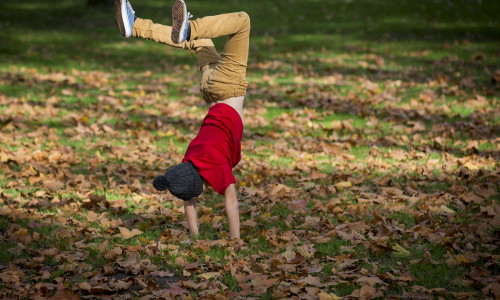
<point>234,102</point>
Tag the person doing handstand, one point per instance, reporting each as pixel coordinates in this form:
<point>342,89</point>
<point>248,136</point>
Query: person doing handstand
<point>216,149</point>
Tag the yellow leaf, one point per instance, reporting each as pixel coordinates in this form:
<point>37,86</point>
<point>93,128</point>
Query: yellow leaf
<point>22,232</point>
<point>472,165</point>
<point>209,275</point>
<point>265,216</point>
<point>4,157</point>
<point>343,184</point>
<point>445,209</point>
<point>462,259</point>
<point>400,250</point>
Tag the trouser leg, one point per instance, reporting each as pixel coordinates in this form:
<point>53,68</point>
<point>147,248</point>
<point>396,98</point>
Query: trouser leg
<point>228,78</point>
<point>204,48</point>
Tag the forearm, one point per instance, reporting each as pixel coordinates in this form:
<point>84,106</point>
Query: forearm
<point>233,214</point>
<point>191,216</point>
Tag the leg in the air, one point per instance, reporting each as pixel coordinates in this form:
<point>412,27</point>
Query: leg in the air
<point>204,48</point>
<point>130,25</point>
<point>146,29</point>
<point>234,25</point>
<point>228,79</point>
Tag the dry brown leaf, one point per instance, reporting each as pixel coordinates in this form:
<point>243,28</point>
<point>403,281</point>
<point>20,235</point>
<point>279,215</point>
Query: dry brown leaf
<point>114,253</point>
<point>49,252</point>
<point>85,286</point>
<point>190,284</point>
<point>128,234</point>
<point>11,276</point>
<point>306,250</point>
<point>121,285</point>
<point>493,289</point>
<point>64,294</point>
<point>312,280</point>
<point>367,292</point>
<point>369,280</point>
<point>92,216</point>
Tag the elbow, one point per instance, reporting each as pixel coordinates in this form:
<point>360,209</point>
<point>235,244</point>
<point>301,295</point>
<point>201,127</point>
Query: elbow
<point>230,196</point>
<point>231,200</point>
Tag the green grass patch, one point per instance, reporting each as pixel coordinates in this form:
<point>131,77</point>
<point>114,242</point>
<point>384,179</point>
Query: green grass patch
<point>360,94</point>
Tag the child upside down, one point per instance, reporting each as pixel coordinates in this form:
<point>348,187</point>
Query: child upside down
<point>216,149</point>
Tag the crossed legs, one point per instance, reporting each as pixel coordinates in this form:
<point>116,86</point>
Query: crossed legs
<point>223,76</point>
<point>204,48</point>
<point>228,78</point>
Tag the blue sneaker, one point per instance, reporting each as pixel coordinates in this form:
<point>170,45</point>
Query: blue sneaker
<point>125,16</point>
<point>181,30</point>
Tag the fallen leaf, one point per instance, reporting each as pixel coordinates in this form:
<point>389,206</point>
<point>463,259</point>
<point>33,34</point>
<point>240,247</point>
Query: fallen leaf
<point>127,234</point>
<point>209,275</point>
<point>327,296</point>
<point>400,250</point>
<point>64,294</point>
<point>367,292</point>
<point>312,280</point>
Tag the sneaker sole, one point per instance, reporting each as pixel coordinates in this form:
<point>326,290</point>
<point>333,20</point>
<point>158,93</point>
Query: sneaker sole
<point>122,17</point>
<point>118,15</point>
<point>178,21</point>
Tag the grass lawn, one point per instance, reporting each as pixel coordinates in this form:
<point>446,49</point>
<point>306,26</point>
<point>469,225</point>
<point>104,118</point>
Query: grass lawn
<point>370,157</point>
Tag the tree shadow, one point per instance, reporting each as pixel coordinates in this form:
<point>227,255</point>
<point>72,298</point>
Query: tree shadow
<point>57,34</point>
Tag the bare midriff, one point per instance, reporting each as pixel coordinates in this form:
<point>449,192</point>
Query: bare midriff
<point>236,103</point>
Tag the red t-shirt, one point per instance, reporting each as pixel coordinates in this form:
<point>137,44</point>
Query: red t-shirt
<point>217,147</point>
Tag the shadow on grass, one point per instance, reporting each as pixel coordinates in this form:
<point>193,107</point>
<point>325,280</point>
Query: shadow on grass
<point>65,34</point>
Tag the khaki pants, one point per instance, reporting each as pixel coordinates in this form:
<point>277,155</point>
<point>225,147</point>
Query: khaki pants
<point>222,76</point>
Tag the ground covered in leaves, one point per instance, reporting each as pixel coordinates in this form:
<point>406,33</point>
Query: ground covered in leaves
<point>370,165</point>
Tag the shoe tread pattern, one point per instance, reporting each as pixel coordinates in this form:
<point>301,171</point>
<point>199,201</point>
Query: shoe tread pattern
<point>177,19</point>
<point>118,14</point>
